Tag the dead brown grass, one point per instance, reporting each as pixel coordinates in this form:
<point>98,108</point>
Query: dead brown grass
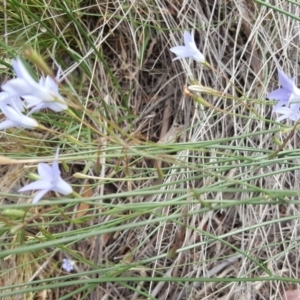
<point>246,43</point>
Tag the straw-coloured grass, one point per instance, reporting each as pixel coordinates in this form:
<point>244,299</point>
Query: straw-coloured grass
<point>179,200</point>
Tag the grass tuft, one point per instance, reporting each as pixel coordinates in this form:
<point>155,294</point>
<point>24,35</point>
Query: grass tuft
<point>187,187</point>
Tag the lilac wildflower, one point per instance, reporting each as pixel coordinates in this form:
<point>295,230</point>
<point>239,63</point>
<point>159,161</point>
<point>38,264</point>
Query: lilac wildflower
<point>42,94</point>
<point>287,94</point>
<point>291,113</point>
<point>6,98</point>
<point>50,181</point>
<point>68,265</point>
<point>189,49</point>
<point>15,118</point>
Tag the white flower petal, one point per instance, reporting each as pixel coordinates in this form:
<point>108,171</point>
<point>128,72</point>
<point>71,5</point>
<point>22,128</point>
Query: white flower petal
<point>45,172</point>
<point>35,93</point>
<point>6,124</point>
<point>295,96</point>
<point>189,49</point>
<point>32,101</point>
<point>44,94</point>
<point>68,265</point>
<point>55,170</point>
<point>40,184</point>
<point>181,52</point>
<point>198,56</point>
<point>22,72</point>
<point>14,115</point>
<point>56,106</point>
<point>37,108</point>
<point>27,122</point>
<point>17,86</point>
<point>51,84</point>
<point>38,196</point>
<point>6,98</point>
<point>50,180</point>
<point>39,104</point>
<point>288,113</point>
<point>11,113</point>
<point>17,102</point>
<point>188,37</point>
<point>62,187</point>
<point>42,81</point>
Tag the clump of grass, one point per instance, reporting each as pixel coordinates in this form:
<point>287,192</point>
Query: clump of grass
<point>180,197</point>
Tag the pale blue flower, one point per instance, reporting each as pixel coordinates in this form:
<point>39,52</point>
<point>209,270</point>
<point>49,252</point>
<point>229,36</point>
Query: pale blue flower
<point>50,181</point>
<point>42,94</point>
<point>68,265</point>
<point>290,113</point>
<point>15,118</point>
<point>189,49</point>
<point>50,84</point>
<point>6,98</point>
<point>287,94</point>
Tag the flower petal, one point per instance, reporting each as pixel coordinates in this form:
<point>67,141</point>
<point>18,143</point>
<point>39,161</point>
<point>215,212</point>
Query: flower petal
<point>10,113</point>
<point>281,94</point>
<point>181,52</point>
<point>17,102</point>
<point>39,104</point>
<point>55,168</point>
<point>62,187</point>
<point>51,84</point>
<point>198,56</point>
<point>27,122</point>
<point>41,184</point>
<point>7,124</point>
<point>295,107</point>
<point>44,94</point>
<point>36,93</point>
<point>189,49</point>
<point>42,81</point>
<point>285,81</point>
<point>22,72</point>
<point>6,98</point>
<point>68,265</point>
<point>38,196</point>
<point>37,108</point>
<point>295,97</point>
<point>45,171</point>
<point>188,38</point>
<point>280,104</point>
<point>17,86</point>
<point>56,106</point>
<point>31,101</point>
<point>287,113</point>
<point>16,117</point>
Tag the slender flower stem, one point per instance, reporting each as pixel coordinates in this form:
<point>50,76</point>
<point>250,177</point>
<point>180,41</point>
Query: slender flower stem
<point>292,132</point>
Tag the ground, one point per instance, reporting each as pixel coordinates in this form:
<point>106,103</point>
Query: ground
<point>179,194</point>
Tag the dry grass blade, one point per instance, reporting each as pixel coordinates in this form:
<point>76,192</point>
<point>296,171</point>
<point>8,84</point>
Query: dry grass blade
<point>171,187</point>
